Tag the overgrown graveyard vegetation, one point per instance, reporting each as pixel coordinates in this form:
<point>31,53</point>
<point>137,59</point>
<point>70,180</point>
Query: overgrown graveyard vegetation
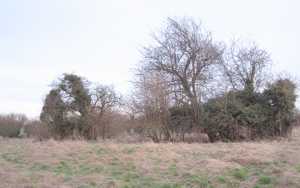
<point>202,113</point>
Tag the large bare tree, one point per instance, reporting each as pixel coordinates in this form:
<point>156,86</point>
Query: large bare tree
<point>185,52</point>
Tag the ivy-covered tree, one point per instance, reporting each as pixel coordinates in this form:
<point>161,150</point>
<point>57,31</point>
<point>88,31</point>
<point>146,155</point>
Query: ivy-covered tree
<point>53,114</point>
<point>268,114</point>
<point>281,97</point>
<point>66,107</point>
<point>73,109</point>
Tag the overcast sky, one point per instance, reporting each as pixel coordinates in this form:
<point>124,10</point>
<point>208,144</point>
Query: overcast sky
<point>100,40</point>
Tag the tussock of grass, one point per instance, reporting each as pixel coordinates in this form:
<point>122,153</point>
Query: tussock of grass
<point>13,157</point>
<point>197,181</point>
<point>39,167</point>
<point>265,180</point>
<point>240,174</point>
<point>221,179</point>
<point>129,150</point>
<point>298,168</point>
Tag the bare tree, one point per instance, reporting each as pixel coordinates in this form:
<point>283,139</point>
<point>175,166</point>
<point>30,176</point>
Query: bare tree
<point>186,53</point>
<point>152,101</point>
<point>132,107</point>
<point>104,98</point>
<point>246,67</point>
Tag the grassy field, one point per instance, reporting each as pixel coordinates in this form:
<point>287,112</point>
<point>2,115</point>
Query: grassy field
<point>24,163</point>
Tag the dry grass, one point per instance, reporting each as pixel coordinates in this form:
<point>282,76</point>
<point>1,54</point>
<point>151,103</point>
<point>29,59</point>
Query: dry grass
<point>66,164</point>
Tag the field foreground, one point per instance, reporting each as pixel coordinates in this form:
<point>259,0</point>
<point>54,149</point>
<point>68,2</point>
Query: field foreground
<point>68,164</point>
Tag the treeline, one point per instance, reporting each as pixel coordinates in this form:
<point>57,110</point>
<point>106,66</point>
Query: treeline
<point>188,84</point>
<point>188,88</point>
<point>19,126</point>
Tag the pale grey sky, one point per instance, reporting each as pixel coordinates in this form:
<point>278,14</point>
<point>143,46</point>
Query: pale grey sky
<point>100,40</point>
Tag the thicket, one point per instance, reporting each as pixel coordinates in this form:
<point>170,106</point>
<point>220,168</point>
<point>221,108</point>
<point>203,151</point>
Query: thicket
<point>11,124</point>
<point>240,115</point>
<point>19,126</point>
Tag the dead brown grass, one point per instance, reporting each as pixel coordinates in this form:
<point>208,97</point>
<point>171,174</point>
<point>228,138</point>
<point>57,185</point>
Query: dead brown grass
<point>25,163</point>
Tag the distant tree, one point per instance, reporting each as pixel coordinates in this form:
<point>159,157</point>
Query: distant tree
<point>281,98</point>
<point>132,107</point>
<point>104,99</point>
<point>66,107</point>
<point>152,92</point>
<point>54,112</point>
<point>75,93</point>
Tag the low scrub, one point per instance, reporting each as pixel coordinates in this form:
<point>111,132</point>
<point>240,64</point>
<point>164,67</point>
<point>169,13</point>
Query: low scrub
<point>10,125</point>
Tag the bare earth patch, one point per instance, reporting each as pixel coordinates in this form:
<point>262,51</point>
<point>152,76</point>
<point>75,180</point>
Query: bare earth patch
<point>69,164</point>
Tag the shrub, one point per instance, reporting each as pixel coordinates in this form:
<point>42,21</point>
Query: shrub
<point>265,180</point>
<point>37,129</point>
<point>239,115</point>
<point>10,125</point>
<point>281,98</point>
<point>240,174</point>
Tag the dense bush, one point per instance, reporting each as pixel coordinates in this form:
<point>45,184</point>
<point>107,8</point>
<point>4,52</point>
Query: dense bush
<point>243,115</point>
<point>281,100</point>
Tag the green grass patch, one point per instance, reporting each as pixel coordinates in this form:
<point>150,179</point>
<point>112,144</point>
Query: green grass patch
<point>149,184</point>
<point>129,150</point>
<point>64,168</point>
<point>173,170</point>
<point>100,151</point>
<point>86,169</point>
<point>240,174</point>
<point>89,185</point>
<point>170,186</point>
<point>298,168</point>
<point>196,181</point>
<point>12,158</point>
<point>68,169</point>
<point>130,176</point>
<point>40,167</point>
<point>265,180</point>
<point>221,179</point>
